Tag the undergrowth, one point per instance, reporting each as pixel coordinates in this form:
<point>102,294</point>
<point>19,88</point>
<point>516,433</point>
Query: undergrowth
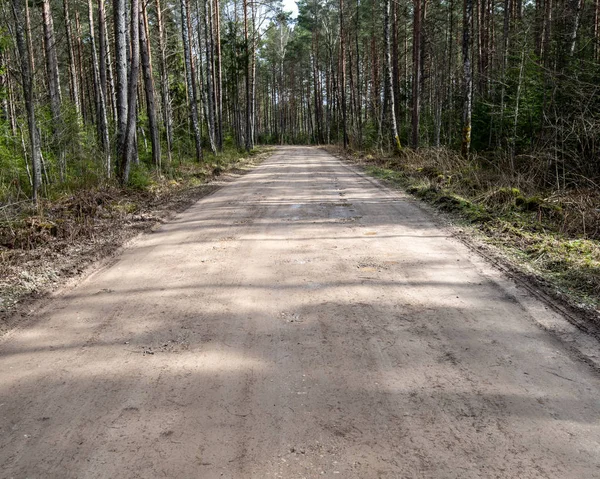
<point>39,243</point>
<point>554,233</point>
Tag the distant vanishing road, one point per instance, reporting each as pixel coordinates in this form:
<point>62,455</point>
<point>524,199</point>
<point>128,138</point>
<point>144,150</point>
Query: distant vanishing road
<point>300,322</point>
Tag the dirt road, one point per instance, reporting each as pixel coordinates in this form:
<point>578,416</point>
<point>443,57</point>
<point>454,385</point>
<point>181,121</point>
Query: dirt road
<point>300,322</point>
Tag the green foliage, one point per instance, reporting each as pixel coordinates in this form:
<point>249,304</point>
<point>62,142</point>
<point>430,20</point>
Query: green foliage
<point>140,177</point>
<point>14,182</point>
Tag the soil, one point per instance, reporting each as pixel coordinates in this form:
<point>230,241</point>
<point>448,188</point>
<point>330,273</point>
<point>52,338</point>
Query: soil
<point>303,321</point>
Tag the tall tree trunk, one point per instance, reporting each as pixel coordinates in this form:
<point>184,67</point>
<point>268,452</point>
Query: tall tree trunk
<point>416,80</point>
<point>219,75</point>
<point>82,81</point>
<point>505,43</point>
<point>597,30</point>
<point>106,64</point>
<point>389,81</point>
<point>29,38</point>
<point>72,68</point>
<point>358,79</point>
<point>19,15</point>
<point>53,83</point>
<point>6,110</point>
<point>102,122</point>
<point>467,78</point>
<point>450,80</point>
<point>119,13</point>
<point>546,31</point>
<point>210,93</point>
<point>253,77</point>
<point>102,55</point>
<point>343,75</point>
<point>576,7</point>
<point>248,138</point>
<point>190,76</point>
<point>130,148</point>
<point>164,81</point>
<point>146,57</point>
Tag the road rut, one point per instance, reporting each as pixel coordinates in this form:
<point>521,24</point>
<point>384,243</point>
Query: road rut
<point>300,322</point>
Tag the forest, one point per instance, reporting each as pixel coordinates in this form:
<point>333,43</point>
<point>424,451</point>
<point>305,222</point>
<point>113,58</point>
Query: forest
<point>92,88</point>
<point>488,107</point>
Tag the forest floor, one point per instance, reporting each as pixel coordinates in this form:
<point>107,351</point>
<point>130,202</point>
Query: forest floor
<point>538,237</point>
<point>302,321</point>
<point>44,247</point>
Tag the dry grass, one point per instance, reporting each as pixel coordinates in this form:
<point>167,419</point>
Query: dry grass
<point>42,245</point>
<point>552,232</point>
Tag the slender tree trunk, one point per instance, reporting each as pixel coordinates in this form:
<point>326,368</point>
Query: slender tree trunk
<point>122,80</point>
<point>505,43</point>
<point>72,68</point>
<point>576,7</point>
<point>343,75</point>
<point>109,96</point>
<point>359,115</point>
<point>53,76</point>
<point>82,80</point>
<point>467,77</point>
<point>253,77</point>
<point>190,76</point>
<point>316,80</point>
<point>102,122</point>
<point>395,57</point>
<point>416,80</point>
<point>516,117</point>
<point>30,38</point>
<point>545,33</point>
<point>389,81</point>
<point>451,73</point>
<point>164,81</point>
<point>210,93</point>
<point>597,31</point>
<point>6,112</point>
<point>52,71</point>
<point>130,148</point>
<point>10,99</point>
<point>146,57</point>
<point>248,138</point>
<point>102,54</point>
<point>19,15</point>
<point>219,75</point>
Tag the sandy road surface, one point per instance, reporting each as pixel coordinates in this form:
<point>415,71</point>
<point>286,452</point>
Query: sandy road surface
<point>300,322</point>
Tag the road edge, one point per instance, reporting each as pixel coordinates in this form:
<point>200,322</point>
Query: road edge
<point>24,313</point>
<point>580,337</point>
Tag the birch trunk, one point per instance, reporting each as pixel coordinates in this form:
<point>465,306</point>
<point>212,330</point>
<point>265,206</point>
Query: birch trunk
<point>388,75</point>
<point>121,74</point>
<point>576,7</point>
